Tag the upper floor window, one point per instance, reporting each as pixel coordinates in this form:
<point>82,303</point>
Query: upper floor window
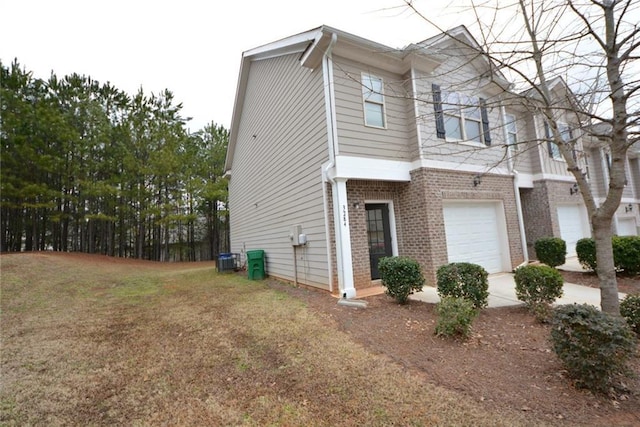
<point>512,131</point>
<point>460,117</point>
<point>565,134</point>
<point>373,97</point>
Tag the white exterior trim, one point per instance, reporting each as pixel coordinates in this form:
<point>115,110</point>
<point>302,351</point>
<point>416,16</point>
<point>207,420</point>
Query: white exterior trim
<point>416,112</point>
<point>392,222</point>
<point>525,180</point>
<point>350,167</point>
<point>458,167</point>
<point>343,239</point>
<point>285,44</point>
<point>553,177</point>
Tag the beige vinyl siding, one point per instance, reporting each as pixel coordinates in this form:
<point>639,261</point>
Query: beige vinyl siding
<point>524,157</point>
<point>550,165</point>
<point>629,191</point>
<point>533,144</point>
<point>457,76</point>
<point>356,139</point>
<point>276,179</point>
<point>598,180</point>
<point>634,172</point>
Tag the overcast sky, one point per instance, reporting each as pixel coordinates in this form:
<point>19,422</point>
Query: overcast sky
<point>191,47</point>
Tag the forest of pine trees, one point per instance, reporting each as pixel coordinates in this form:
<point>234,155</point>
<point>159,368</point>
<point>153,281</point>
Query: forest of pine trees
<point>86,167</point>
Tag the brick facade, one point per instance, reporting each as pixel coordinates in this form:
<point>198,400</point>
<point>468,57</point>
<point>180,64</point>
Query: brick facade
<point>539,209</point>
<point>419,216</point>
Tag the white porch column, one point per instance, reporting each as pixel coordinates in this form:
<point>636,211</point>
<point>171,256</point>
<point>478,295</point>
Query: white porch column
<point>343,239</point>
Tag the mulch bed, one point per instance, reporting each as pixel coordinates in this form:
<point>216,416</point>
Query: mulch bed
<point>507,363</point>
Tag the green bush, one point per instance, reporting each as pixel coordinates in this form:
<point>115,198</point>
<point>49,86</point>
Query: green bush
<point>455,316</point>
<point>402,276</point>
<point>593,346</point>
<point>586,251</point>
<point>551,251</point>
<point>626,253</point>
<point>465,280</point>
<point>630,310</point>
<point>538,286</point>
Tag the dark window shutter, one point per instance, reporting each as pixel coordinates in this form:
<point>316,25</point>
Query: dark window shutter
<point>547,134</point>
<point>485,122</point>
<point>437,107</point>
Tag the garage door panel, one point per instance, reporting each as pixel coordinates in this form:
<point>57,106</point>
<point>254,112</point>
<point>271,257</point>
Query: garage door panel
<point>572,226</point>
<point>473,234</point>
<point>627,227</point>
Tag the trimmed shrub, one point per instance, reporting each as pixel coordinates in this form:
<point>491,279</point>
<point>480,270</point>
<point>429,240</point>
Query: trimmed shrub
<point>402,276</point>
<point>464,280</point>
<point>455,316</point>
<point>551,251</point>
<point>626,254</point>
<point>593,346</point>
<point>538,286</point>
<point>586,251</point>
<point>630,310</point>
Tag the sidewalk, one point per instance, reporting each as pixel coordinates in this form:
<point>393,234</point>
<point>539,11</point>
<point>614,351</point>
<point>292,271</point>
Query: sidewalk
<point>502,290</point>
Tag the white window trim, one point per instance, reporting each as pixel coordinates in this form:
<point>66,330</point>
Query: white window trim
<point>463,119</point>
<point>365,101</point>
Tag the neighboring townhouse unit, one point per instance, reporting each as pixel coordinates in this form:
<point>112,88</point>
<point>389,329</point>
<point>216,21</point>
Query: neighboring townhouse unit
<point>371,151</point>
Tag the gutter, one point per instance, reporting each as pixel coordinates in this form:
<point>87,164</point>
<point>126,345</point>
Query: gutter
<point>516,190</point>
<point>327,68</point>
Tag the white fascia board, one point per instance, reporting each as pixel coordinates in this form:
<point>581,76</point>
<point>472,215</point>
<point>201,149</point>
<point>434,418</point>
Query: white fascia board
<point>553,177</point>
<point>351,167</point>
<point>459,167</point>
<point>284,45</point>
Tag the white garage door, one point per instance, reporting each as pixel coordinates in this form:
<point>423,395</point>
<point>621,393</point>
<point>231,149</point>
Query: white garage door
<point>474,234</point>
<point>573,226</point>
<point>627,227</point>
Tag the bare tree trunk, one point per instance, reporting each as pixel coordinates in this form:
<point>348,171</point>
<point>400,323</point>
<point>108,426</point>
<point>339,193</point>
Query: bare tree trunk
<point>605,265</point>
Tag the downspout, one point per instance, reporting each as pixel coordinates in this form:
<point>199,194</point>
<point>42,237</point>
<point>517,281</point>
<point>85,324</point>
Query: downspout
<point>516,189</point>
<point>328,80</point>
<point>327,65</point>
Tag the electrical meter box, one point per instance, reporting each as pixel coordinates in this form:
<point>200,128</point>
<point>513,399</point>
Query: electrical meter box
<point>296,231</point>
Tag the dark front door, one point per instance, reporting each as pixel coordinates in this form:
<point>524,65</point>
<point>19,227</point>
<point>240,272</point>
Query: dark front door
<point>379,235</point>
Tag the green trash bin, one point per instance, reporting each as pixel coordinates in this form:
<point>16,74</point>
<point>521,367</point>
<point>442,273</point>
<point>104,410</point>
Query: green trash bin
<point>255,264</point>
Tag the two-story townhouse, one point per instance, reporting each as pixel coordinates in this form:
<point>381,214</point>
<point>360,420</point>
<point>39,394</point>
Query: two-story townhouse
<point>371,151</point>
<point>552,204</point>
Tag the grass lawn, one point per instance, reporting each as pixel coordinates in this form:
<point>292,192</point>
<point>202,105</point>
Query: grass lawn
<point>89,340</point>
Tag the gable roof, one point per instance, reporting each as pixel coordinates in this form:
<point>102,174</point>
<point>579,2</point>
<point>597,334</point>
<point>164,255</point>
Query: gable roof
<point>461,35</point>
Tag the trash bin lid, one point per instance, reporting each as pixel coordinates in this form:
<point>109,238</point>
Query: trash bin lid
<point>255,254</point>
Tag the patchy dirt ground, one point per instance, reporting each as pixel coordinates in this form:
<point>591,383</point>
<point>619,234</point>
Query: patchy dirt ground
<point>507,363</point>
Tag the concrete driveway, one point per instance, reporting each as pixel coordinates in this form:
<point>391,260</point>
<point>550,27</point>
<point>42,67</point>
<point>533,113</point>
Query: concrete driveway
<point>502,290</point>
